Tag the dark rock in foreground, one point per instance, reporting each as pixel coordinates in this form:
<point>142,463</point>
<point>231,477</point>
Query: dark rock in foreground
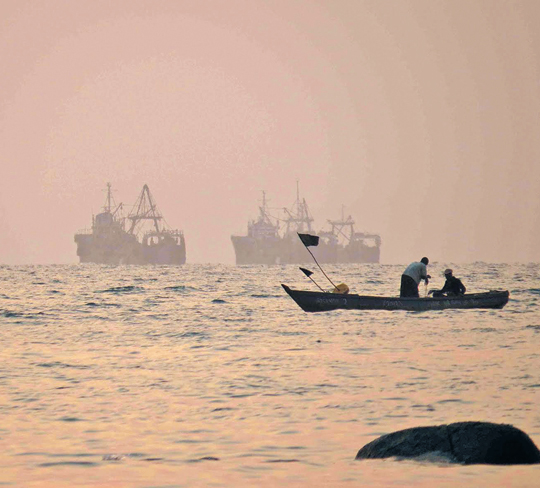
<point>462,442</point>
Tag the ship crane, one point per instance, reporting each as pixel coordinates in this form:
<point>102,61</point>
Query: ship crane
<point>144,209</point>
<point>338,226</point>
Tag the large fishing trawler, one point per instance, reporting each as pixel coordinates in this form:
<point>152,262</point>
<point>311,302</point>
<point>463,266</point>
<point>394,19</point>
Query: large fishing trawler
<point>274,240</point>
<point>115,239</point>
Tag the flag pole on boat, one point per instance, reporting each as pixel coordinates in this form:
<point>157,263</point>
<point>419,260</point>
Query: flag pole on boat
<point>309,240</point>
<point>308,273</point>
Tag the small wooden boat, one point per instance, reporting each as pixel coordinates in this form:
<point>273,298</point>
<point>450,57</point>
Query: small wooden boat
<point>316,301</point>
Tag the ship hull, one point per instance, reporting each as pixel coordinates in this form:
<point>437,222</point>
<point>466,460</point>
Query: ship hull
<point>166,252</point>
<point>93,249</point>
<point>355,252</point>
<point>107,249</point>
<point>127,250</point>
<point>249,250</point>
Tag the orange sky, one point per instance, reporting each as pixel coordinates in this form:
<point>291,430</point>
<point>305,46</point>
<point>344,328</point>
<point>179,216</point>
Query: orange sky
<point>421,117</point>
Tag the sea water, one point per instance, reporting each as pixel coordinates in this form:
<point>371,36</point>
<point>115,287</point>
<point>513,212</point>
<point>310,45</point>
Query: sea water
<point>210,375</point>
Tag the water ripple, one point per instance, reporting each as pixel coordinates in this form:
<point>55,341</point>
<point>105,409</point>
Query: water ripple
<point>212,370</point>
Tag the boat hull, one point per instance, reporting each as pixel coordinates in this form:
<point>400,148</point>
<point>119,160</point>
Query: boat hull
<point>312,301</point>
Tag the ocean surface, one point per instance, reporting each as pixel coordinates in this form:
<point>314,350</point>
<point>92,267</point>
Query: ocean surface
<point>210,375</point>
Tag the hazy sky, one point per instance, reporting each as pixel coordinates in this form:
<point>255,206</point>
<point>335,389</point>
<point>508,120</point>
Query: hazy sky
<point>422,117</point>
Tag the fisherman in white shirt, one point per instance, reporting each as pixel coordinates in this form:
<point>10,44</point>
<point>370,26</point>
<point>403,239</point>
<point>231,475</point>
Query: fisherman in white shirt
<point>411,277</point>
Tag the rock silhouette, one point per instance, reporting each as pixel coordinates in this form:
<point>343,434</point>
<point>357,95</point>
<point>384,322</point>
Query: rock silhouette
<point>461,442</point>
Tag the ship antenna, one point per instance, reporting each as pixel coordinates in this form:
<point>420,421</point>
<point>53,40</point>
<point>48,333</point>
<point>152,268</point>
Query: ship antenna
<point>108,207</point>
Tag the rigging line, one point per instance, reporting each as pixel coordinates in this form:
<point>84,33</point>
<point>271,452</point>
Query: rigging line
<point>314,259</point>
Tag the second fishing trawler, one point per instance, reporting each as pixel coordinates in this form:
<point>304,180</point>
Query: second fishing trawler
<point>274,240</point>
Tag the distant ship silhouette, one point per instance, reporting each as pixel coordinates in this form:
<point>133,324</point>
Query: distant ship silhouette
<point>108,242</point>
<point>267,243</point>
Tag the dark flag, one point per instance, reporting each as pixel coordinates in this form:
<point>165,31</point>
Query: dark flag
<point>307,272</point>
<point>309,240</point>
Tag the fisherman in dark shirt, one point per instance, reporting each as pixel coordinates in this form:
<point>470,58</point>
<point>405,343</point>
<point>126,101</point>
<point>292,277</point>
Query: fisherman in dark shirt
<point>452,287</point>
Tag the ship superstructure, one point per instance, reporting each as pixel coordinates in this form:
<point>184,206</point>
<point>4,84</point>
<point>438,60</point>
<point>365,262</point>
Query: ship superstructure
<point>140,238</point>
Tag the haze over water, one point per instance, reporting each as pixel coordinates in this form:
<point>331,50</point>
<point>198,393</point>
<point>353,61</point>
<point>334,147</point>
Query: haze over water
<point>210,375</point>
<point>421,117</point>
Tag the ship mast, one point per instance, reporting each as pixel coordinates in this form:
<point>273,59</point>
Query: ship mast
<point>108,200</point>
<point>300,216</point>
<point>263,210</point>
<point>110,204</point>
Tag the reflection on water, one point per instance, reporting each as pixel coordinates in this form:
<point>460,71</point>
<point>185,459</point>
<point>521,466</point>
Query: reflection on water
<point>212,376</point>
